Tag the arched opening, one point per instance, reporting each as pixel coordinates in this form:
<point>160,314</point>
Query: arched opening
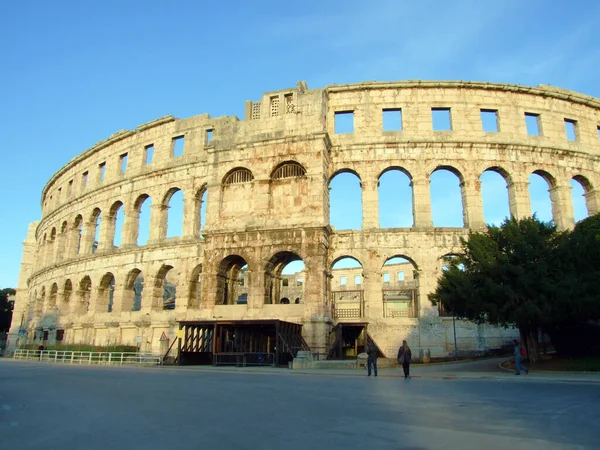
<point>51,246</point>
<point>580,186</point>
<point>400,287</point>
<point>167,280</point>
<point>232,281</point>
<point>345,200</point>
<point>195,289</point>
<point>96,220</point>
<point>53,295</point>
<point>174,204</point>
<point>347,291</point>
<point>540,183</point>
<point>395,199</point>
<point>134,286</point>
<point>201,197</point>
<point>106,293</point>
<point>78,234</point>
<point>84,294</point>
<point>67,295</point>
<point>285,277</point>
<point>143,208</point>
<point>446,198</point>
<point>39,307</point>
<point>288,169</point>
<point>445,262</point>
<point>494,195</point>
<point>116,221</point>
<point>62,241</point>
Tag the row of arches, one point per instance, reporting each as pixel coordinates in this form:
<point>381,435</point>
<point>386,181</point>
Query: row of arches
<point>447,199</point>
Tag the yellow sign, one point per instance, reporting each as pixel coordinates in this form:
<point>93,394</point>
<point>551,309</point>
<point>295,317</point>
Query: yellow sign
<point>179,334</point>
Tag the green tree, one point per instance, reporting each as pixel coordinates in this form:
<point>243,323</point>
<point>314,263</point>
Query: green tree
<point>505,276</point>
<point>6,308</point>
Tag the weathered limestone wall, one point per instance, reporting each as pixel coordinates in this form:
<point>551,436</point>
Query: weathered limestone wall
<point>263,183</point>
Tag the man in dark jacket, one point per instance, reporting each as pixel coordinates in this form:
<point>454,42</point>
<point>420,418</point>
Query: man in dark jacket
<point>372,358</point>
<point>404,356</point>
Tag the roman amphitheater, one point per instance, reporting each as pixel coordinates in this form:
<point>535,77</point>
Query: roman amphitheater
<point>256,197</point>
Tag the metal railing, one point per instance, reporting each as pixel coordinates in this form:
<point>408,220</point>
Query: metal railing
<point>89,358</point>
<point>244,359</point>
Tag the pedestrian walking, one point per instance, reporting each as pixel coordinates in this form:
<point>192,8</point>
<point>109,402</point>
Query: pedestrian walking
<point>372,352</point>
<point>404,356</point>
<point>519,353</point>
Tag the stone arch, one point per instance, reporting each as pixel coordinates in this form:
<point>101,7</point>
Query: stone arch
<point>395,198</point>
<point>115,224</point>
<point>171,220</point>
<point>447,197</point>
<point>195,287</point>
<point>347,288</point>
<point>238,175</point>
<point>288,169</point>
<point>133,288</point>
<point>106,292</point>
<point>95,221</point>
<point>495,198</point>
<point>77,235</point>
<point>345,200</point>
<point>400,286</point>
<point>542,203</point>
<point>67,294</point>
<point>229,274</point>
<point>274,283</point>
<point>52,299</point>
<point>84,293</point>
<point>140,226</point>
<point>39,301</point>
<point>166,282</point>
<point>200,205</point>
<point>581,188</point>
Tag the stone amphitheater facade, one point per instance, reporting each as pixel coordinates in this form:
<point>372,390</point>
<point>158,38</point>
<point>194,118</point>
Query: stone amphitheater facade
<point>263,183</point>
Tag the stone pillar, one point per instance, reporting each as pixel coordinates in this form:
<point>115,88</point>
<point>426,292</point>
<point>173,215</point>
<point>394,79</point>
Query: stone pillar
<point>182,299</point>
<point>61,241</point>
<point>421,203</point>
<point>562,207</point>
<point>158,223</point>
<point>518,197</point>
<point>131,228</point>
<point>472,205</point>
<point>427,283</point>
<point>87,238</point>
<point>373,293</point>
<point>592,201</point>
<point>72,244</point>
<point>370,204</point>
<point>107,232</point>
<point>152,296</point>
<point>191,217</point>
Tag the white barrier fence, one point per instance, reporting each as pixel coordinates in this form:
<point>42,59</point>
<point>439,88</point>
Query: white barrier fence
<point>100,358</point>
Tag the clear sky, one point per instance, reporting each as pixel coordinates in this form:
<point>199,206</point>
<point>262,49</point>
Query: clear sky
<point>74,72</point>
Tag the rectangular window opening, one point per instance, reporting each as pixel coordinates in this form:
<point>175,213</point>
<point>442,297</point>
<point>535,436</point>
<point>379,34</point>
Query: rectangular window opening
<point>489,120</point>
<point>102,167</point>
<point>85,177</point>
<point>344,122</point>
<point>571,129</point>
<point>598,128</point>
<point>386,277</point>
<point>123,158</point>
<point>532,121</point>
<point>286,282</point>
<point>70,188</point>
<point>149,153</point>
<point>299,281</point>
<point>400,276</point>
<point>343,281</point>
<point>209,136</point>
<point>178,146</point>
<point>392,119</point>
<point>440,119</point>
<point>357,280</point>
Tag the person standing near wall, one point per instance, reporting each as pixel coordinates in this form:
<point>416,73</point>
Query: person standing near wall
<point>404,356</point>
<point>518,358</point>
<point>372,358</point>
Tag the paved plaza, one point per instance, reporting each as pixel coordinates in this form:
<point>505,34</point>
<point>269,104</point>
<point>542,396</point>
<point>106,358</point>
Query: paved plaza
<point>45,406</point>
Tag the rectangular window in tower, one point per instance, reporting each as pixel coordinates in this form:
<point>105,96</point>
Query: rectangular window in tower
<point>285,282</point>
<point>392,119</point>
<point>149,153</point>
<point>532,122</point>
<point>209,136</point>
<point>441,119</point>
<point>357,280</point>
<point>343,122</point>
<point>84,179</point>
<point>178,143</point>
<point>289,103</point>
<point>489,120</point>
<point>343,281</point>
<point>571,129</point>
<point>274,106</point>
<point>400,276</point>
<point>102,168</point>
<point>123,159</point>
<point>386,277</point>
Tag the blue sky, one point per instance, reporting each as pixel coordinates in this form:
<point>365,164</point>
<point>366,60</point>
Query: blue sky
<point>72,73</point>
